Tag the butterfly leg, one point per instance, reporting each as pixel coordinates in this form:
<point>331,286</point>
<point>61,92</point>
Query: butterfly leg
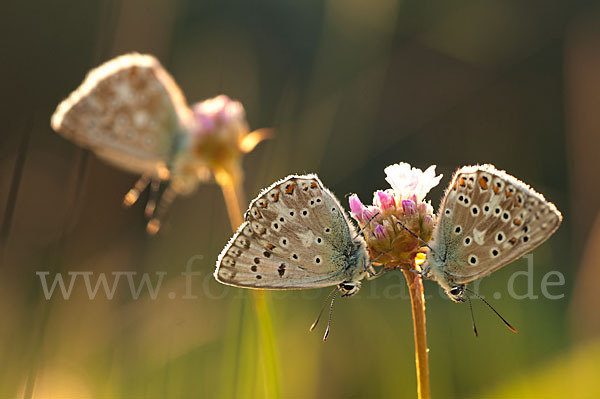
<point>153,199</point>
<point>373,274</point>
<point>132,195</point>
<point>167,198</point>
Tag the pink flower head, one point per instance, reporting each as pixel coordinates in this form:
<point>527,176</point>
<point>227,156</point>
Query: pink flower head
<point>380,232</point>
<point>384,200</point>
<point>357,209</point>
<point>396,210</point>
<point>217,112</point>
<point>425,208</point>
<point>219,136</point>
<point>407,181</point>
<point>408,206</point>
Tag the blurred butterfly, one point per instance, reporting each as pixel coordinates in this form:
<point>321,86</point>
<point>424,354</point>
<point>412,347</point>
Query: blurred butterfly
<point>295,235</point>
<point>487,219</point>
<point>131,113</point>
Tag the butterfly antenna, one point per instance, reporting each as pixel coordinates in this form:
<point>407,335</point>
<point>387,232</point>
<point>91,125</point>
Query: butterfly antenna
<point>416,236</point>
<point>366,224</point>
<point>472,316</point>
<point>132,195</point>
<point>312,327</point>
<point>330,314</point>
<point>495,311</point>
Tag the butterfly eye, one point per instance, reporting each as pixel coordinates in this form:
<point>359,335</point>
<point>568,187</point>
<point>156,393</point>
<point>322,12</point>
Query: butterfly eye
<point>456,291</point>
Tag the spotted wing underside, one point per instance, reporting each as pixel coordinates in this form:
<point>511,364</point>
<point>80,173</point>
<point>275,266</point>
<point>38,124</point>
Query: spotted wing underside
<point>293,236</point>
<point>492,219</point>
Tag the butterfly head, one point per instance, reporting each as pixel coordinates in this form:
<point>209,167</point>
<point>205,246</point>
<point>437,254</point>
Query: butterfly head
<point>349,288</point>
<point>456,292</point>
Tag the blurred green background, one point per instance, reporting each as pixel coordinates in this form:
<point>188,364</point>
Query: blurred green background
<point>350,87</point>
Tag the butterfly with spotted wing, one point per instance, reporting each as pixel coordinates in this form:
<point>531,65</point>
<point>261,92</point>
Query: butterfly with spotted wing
<point>487,219</point>
<point>295,235</point>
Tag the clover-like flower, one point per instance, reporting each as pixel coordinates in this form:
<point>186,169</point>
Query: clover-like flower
<point>221,136</point>
<point>402,205</point>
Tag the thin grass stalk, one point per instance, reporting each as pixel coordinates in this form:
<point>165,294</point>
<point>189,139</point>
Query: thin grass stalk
<point>233,195</point>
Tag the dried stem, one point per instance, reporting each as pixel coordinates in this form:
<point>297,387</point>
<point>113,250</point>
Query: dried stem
<point>233,194</point>
<point>417,300</point>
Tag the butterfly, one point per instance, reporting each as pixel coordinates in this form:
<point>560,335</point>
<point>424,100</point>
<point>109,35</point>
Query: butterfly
<point>131,113</point>
<point>295,235</point>
<point>487,219</point>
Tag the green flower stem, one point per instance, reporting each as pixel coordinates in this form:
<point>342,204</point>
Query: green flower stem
<point>233,194</point>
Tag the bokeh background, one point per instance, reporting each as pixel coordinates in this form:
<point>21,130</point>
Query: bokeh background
<point>350,87</point>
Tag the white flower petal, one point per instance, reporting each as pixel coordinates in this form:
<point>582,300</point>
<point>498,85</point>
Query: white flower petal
<point>407,181</point>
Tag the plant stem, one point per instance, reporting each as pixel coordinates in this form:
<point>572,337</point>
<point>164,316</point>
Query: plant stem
<point>417,300</point>
<point>233,194</point>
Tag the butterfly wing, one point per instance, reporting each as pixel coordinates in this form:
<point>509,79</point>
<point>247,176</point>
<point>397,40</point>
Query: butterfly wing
<point>488,219</point>
<point>129,111</point>
<point>295,235</point>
